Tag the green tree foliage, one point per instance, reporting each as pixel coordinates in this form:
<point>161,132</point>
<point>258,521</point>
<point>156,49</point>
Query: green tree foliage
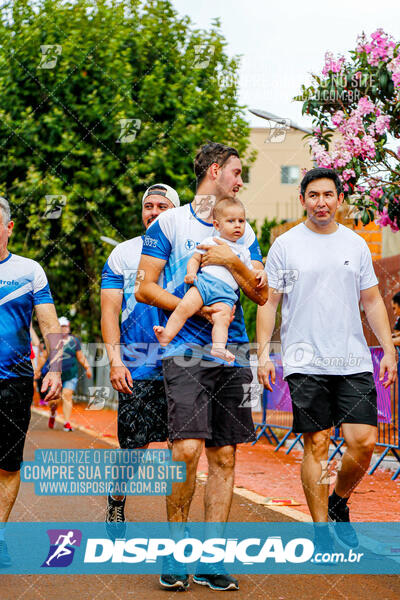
<point>63,134</point>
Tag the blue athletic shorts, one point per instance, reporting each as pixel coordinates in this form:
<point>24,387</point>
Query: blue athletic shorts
<point>214,290</point>
<point>70,384</point>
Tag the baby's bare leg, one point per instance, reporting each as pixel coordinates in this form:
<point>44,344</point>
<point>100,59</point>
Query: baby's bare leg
<point>219,334</point>
<point>187,307</point>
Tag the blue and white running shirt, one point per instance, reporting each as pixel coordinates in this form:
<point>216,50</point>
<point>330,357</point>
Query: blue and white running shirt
<point>173,237</point>
<point>23,285</point>
<point>140,350</point>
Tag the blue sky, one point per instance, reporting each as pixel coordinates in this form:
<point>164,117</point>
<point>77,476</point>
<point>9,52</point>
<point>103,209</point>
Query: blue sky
<point>282,42</point>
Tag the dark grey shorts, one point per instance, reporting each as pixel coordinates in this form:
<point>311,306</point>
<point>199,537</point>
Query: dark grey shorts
<point>208,403</point>
<point>324,401</point>
<point>16,396</point>
<point>142,415</point>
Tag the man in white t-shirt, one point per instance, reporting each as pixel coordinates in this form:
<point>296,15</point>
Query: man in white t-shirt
<point>321,269</point>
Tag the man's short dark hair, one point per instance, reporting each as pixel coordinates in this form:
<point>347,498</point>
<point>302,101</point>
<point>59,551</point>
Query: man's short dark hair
<point>321,173</point>
<point>210,153</point>
<point>396,298</point>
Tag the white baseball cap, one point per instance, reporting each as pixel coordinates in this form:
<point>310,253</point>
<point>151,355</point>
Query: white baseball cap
<point>162,189</point>
<point>63,321</point>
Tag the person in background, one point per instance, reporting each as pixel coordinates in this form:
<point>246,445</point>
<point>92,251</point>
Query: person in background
<point>71,356</point>
<point>396,327</point>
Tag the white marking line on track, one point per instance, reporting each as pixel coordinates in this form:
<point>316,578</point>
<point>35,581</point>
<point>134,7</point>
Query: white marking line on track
<point>297,515</point>
<point>259,499</point>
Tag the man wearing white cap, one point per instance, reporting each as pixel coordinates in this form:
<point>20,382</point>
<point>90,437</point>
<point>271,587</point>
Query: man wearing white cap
<point>72,354</point>
<point>132,348</point>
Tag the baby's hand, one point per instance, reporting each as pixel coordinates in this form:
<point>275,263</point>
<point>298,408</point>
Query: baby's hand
<point>262,278</point>
<point>189,278</point>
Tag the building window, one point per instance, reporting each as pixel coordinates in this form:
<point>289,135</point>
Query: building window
<point>290,174</point>
<point>246,174</point>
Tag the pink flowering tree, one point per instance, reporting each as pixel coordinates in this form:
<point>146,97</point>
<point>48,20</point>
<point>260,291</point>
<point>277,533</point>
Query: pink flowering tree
<point>355,107</point>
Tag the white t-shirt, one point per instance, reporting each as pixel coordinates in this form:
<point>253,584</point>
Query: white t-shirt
<point>320,276</point>
<point>220,272</point>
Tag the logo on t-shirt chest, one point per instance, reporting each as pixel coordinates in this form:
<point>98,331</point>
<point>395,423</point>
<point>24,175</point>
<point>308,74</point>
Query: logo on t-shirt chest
<point>190,245</point>
<point>9,282</point>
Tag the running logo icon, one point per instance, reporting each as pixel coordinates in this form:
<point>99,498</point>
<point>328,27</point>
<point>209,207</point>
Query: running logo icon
<point>62,547</point>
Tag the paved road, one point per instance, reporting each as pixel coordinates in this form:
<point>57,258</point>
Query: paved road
<point>145,587</point>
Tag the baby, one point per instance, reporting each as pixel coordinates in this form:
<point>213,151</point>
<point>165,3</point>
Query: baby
<point>214,285</point>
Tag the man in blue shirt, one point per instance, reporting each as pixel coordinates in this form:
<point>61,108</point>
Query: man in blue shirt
<point>205,396</point>
<point>23,286</point>
<point>132,347</point>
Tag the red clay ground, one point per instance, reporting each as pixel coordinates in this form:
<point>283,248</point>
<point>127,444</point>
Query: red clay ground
<point>30,507</point>
<point>272,474</point>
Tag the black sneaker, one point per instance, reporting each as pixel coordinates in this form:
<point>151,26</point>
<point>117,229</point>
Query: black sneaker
<point>5,560</point>
<point>115,518</point>
<point>174,576</point>
<point>218,579</point>
<point>343,531</point>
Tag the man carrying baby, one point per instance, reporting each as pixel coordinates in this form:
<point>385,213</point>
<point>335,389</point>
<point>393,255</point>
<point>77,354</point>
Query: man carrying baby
<point>214,285</point>
<point>205,395</point>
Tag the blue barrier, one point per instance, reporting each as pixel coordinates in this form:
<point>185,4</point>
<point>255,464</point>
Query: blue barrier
<point>266,430</point>
<point>389,433</point>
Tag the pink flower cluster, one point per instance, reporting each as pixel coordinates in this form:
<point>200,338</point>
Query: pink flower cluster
<point>358,139</point>
<point>365,106</point>
<point>394,68</point>
<point>384,220</point>
<point>379,48</point>
<point>321,156</point>
<point>341,155</point>
<point>338,117</point>
<point>332,65</point>
<point>358,132</point>
<point>380,126</point>
<point>376,193</point>
<point>348,174</point>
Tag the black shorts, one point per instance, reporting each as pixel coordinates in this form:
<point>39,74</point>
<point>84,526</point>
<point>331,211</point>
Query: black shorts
<point>208,403</point>
<point>16,395</point>
<point>324,401</point>
<point>142,415</point>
